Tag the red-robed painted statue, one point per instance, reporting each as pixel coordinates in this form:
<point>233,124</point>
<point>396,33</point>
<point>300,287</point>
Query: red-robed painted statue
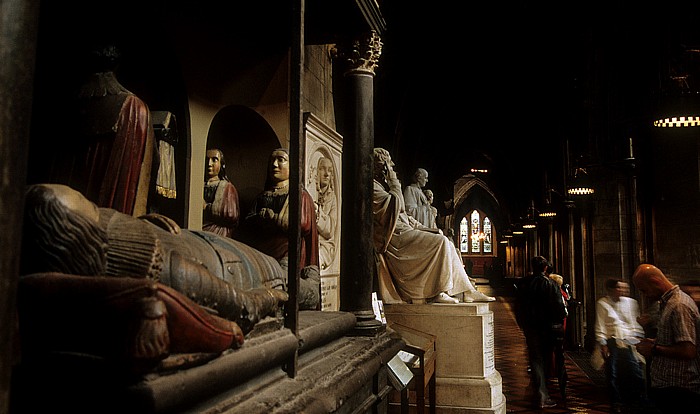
<point>266,227</point>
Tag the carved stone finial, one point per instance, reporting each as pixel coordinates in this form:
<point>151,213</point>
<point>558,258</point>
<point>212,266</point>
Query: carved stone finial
<point>361,54</point>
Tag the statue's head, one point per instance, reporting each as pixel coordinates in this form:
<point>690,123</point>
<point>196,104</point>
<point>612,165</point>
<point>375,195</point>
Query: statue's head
<point>324,171</point>
<point>215,164</point>
<point>420,177</point>
<point>61,232</point>
<point>278,167</point>
<point>382,162</point>
<point>430,196</point>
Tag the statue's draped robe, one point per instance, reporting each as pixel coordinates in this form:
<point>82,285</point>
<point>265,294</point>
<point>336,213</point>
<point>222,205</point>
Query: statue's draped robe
<point>224,214</point>
<point>327,219</point>
<point>109,157</point>
<point>272,237</point>
<point>125,171</point>
<point>416,204</point>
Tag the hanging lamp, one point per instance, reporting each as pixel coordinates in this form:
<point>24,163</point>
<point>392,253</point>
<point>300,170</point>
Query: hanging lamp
<point>548,212</point>
<point>581,185</point>
<point>679,98</point>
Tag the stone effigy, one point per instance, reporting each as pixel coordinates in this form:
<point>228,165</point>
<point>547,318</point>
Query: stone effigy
<point>165,289</point>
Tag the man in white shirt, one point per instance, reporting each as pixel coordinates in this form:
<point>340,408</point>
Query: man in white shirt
<point>617,330</point>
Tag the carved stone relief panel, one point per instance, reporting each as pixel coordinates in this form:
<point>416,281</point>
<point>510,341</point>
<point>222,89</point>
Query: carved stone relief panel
<point>322,179</point>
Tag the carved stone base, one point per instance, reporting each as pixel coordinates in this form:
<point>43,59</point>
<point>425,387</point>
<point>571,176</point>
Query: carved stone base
<point>466,378</point>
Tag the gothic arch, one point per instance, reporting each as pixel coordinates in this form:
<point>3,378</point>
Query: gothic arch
<point>471,192</point>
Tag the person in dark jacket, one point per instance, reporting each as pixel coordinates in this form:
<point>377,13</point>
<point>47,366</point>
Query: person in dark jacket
<point>540,310</point>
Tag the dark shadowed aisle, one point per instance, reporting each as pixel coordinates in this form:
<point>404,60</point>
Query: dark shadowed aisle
<point>583,394</point>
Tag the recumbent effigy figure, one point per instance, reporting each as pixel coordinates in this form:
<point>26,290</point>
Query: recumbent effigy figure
<point>113,281</point>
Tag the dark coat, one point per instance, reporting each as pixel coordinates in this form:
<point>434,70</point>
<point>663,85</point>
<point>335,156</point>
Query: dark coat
<point>539,304</point>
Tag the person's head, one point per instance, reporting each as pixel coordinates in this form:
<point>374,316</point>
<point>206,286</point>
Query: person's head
<point>278,167</point>
<point>650,281</point>
<point>557,278</point>
<point>325,173</point>
<point>616,288</point>
<point>61,232</point>
<point>420,177</point>
<point>625,288</point>
<point>550,268</point>
<point>382,163</point>
<point>539,264</point>
<point>429,195</point>
<point>215,165</point>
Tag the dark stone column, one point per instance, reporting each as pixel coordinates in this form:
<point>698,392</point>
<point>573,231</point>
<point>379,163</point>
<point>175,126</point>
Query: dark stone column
<point>18,31</point>
<point>357,256</point>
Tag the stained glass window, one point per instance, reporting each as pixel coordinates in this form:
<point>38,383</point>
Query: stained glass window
<point>464,235</point>
<point>475,234</point>
<point>487,235</point>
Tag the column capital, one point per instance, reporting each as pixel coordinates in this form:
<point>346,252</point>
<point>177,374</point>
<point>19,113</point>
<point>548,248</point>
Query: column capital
<point>360,54</point>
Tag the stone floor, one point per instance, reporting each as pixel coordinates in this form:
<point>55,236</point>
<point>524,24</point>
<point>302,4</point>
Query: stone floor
<point>585,393</point>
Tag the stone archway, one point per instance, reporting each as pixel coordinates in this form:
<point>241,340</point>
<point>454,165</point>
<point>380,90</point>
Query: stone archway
<point>247,141</point>
<point>471,192</point>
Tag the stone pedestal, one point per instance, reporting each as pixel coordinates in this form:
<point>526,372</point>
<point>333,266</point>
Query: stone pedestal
<point>466,377</point>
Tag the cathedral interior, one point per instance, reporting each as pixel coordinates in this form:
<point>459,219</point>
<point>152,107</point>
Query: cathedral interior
<point>507,106</point>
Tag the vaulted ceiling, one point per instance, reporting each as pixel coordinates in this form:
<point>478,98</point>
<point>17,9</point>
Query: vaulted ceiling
<point>510,85</point>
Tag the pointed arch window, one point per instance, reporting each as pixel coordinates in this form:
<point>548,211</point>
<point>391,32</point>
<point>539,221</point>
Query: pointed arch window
<point>476,234</point>
<point>475,231</point>
<point>464,235</point>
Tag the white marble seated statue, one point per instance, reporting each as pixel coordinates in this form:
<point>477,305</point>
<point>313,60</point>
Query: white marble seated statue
<point>417,205</point>
<point>422,263</point>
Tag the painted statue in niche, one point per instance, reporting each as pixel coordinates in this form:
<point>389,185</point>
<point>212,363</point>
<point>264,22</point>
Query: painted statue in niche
<point>266,227</point>
<point>221,208</point>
